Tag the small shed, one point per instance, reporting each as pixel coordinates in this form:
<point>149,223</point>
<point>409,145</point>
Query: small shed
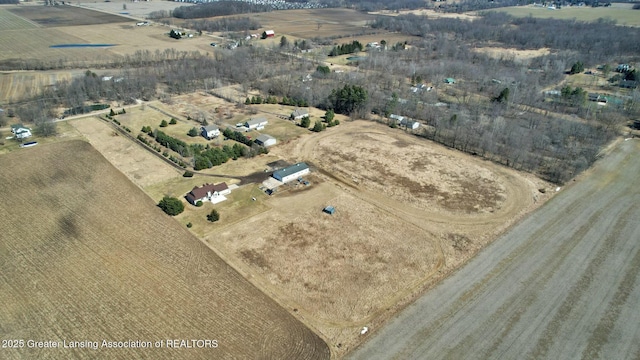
<point>449,81</point>
<point>329,210</point>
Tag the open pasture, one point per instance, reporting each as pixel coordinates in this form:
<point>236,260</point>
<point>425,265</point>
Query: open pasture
<point>92,258</point>
<point>339,272</point>
<point>621,13</point>
<point>138,164</point>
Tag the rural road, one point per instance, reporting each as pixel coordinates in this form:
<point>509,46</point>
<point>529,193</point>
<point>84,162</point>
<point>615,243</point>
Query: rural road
<point>562,284</point>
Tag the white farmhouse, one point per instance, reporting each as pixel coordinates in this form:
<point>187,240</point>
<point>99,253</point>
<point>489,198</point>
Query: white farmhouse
<point>256,124</point>
<point>210,132</point>
<point>209,192</point>
<point>20,132</point>
<point>265,140</point>
<point>291,172</point>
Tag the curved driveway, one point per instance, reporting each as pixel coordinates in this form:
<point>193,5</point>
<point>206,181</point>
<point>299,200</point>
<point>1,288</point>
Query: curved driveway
<point>562,284</point>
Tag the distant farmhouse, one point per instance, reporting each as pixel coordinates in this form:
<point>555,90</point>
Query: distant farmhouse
<point>265,140</point>
<point>210,132</point>
<point>209,192</point>
<point>298,114</point>
<point>291,172</point>
<point>256,124</point>
<point>20,132</point>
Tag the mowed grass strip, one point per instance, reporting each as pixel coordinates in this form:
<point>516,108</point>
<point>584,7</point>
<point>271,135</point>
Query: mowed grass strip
<point>86,255</point>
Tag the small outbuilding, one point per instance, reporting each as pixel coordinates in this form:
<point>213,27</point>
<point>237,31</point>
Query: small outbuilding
<point>410,124</point>
<point>268,34</point>
<point>291,172</point>
<point>329,210</point>
<point>449,81</point>
<point>265,140</point>
<point>298,114</point>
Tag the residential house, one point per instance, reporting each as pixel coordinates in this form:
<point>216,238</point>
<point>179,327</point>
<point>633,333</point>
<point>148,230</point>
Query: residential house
<point>256,124</point>
<point>208,192</point>
<point>210,132</point>
<point>20,132</point>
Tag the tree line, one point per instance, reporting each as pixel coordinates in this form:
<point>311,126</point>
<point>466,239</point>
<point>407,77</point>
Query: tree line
<point>224,24</point>
<point>218,8</point>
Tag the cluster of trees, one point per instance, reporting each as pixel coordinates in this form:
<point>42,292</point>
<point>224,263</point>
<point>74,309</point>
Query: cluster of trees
<point>355,46</point>
<point>219,8</point>
<point>348,100</point>
<point>208,158</point>
<point>274,100</point>
<point>237,136</point>
<point>576,68</point>
<point>171,205</point>
<point>599,40</point>
<point>574,96</point>
<point>224,24</point>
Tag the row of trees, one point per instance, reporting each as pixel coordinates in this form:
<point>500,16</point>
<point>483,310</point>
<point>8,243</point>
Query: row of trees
<point>215,156</point>
<point>224,24</point>
<point>218,8</point>
<point>351,48</point>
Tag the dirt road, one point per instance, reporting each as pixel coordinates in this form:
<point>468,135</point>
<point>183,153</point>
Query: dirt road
<point>562,284</point>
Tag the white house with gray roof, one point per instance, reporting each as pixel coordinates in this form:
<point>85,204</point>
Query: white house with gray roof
<point>210,132</point>
<point>298,114</point>
<point>256,124</point>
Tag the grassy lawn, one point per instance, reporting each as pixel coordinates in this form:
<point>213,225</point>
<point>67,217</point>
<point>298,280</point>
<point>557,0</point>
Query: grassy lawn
<point>238,206</point>
<point>64,132</point>
<point>242,166</point>
<point>622,15</point>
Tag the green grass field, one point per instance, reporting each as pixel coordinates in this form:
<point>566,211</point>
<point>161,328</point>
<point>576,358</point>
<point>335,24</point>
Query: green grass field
<point>622,15</point>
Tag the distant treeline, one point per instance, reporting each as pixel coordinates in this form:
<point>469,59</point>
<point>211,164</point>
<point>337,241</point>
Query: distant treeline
<point>224,24</point>
<point>375,5</point>
<point>220,8</point>
<point>600,40</point>
<point>9,1</point>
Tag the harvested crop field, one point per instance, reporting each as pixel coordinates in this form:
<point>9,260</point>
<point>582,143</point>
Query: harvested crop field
<point>56,16</point>
<point>93,259</point>
<point>312,23</point>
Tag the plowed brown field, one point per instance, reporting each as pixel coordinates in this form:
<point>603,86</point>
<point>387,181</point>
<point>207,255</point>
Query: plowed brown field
<point>86,256</point>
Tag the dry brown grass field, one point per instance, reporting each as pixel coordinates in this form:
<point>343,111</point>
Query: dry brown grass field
<point>86,256</point>
<point>142,167</point>
<point>408,213</point>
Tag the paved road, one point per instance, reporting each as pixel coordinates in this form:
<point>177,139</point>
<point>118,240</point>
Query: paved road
<point>563,284</point>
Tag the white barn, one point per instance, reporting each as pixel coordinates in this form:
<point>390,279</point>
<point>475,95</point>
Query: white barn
<point>256,124</point>
<point>265,140</point>
<point>291,172</point>
<point>210,132</point>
